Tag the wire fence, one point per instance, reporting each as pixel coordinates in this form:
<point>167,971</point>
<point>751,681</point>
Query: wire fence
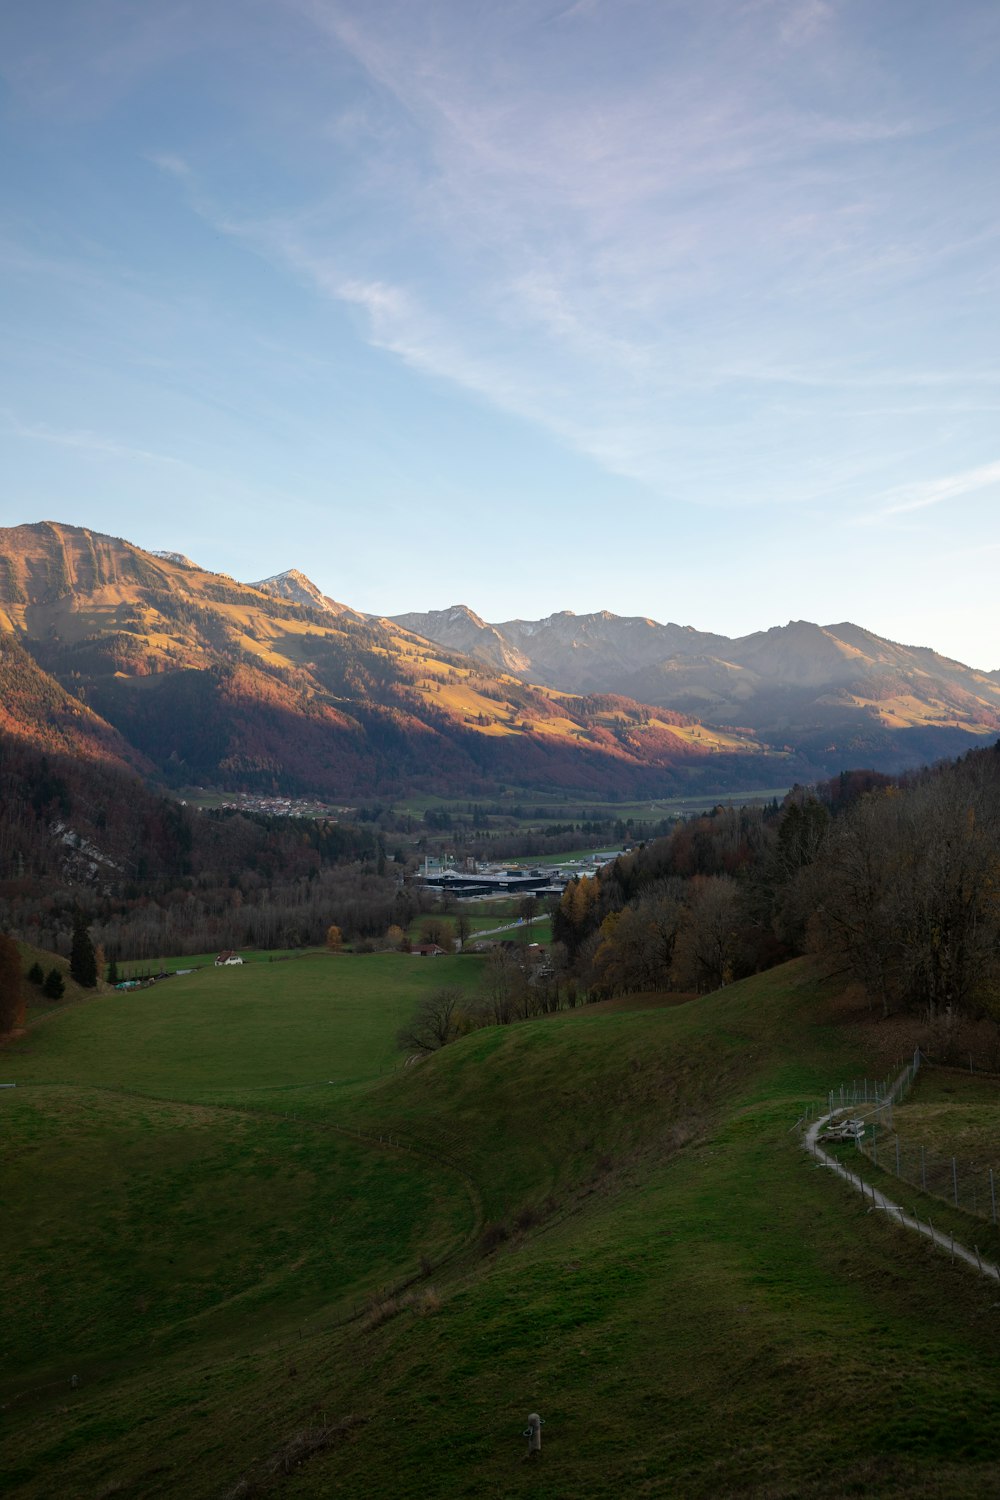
<point>874,1095</point>
<point>969,1186</point>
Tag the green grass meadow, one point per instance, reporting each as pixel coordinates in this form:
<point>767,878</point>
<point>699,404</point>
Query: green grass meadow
<point>262,1026</point>
<point>269,1283</point>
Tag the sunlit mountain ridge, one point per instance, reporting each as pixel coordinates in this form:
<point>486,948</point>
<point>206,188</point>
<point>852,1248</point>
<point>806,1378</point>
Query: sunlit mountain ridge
<point>210,681</point>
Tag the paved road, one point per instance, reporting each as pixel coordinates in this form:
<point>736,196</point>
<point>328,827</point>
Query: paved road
<point>507,927</point>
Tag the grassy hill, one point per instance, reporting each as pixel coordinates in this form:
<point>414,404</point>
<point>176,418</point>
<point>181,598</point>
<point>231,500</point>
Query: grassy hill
<point>599,1215</point>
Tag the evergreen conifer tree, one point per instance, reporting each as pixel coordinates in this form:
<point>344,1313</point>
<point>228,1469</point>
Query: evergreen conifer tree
<point>82,959</point>
<point>54,986</point>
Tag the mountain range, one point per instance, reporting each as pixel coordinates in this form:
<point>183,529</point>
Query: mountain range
<point>826,691</point>
<point>188,677</point>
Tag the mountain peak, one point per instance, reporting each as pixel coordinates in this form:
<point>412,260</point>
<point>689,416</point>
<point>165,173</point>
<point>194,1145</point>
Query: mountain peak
<point>294,586</point>
<point>460,612</point>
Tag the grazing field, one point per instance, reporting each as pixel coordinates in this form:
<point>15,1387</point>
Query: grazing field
<point>538,806</point>
<point>261,1026</point>
<point>601,1215</point>
<point>162,1225</point>
<point>953,1114</point>
<point>171,962</point>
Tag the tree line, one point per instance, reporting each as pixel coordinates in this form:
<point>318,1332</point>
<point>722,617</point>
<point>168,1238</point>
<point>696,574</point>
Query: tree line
<point>893,880</point>
<point>152,877</point>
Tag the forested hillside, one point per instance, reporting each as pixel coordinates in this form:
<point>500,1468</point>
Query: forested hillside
<point>895,882</point>
<point>154,877</point>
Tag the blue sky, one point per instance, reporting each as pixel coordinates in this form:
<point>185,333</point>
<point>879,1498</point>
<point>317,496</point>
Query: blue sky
<point>683,308</point>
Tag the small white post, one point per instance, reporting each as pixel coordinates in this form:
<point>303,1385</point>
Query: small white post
<point>533,1432</point>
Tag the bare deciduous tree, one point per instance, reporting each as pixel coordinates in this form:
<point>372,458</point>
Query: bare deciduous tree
<point>436,1023</point>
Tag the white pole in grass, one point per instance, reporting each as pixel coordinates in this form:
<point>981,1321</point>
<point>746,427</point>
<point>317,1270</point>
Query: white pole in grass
<point>533,1432</point>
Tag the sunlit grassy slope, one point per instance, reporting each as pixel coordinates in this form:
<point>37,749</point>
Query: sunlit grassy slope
<point>694,1308</point>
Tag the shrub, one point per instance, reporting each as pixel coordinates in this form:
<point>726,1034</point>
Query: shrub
<point>54,986</point>
<point>494,1235</point>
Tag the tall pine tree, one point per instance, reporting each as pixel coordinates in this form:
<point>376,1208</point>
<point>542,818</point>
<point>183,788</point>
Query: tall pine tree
<point>82,959</point>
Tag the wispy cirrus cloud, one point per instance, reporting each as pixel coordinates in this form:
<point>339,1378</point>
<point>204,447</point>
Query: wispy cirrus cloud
<point>903,499</point>
<point>170,163</point>
<point>609,238</point>
<point>636,236</point>
<point>98,444</point>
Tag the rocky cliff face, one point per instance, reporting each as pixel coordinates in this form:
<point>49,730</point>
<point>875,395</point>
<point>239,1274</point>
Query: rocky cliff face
<point>463,630</point>
<point>298,589</point>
